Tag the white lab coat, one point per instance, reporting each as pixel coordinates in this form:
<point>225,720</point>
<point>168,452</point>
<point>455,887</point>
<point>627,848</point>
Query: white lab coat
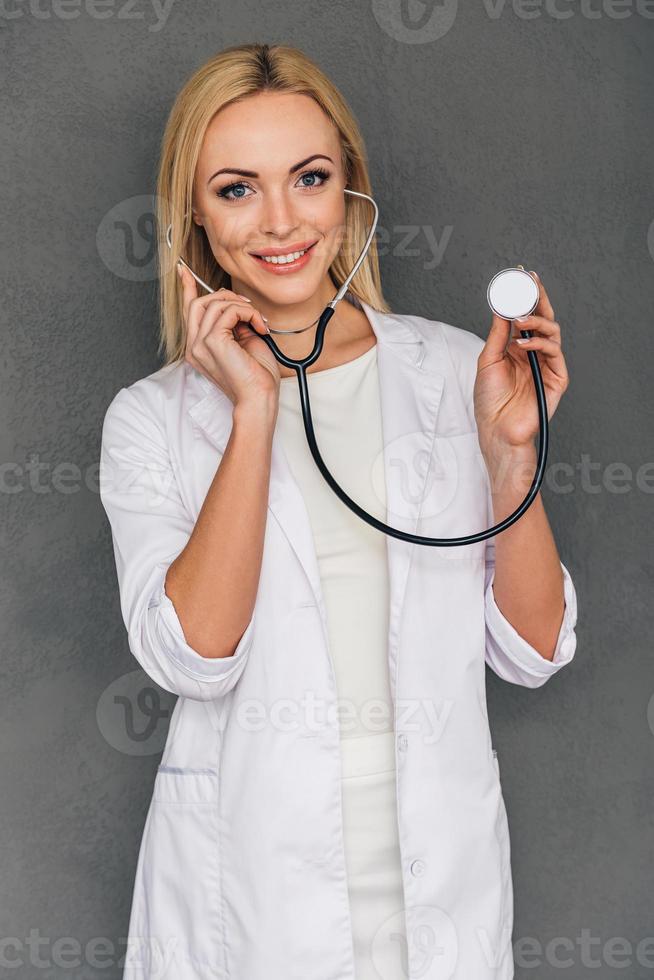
<point>241,872</point>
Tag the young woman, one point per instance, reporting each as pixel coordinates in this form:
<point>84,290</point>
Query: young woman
<point>328,806</point>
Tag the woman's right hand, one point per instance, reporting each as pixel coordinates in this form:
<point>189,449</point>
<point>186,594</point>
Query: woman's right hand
<point>221,347</point>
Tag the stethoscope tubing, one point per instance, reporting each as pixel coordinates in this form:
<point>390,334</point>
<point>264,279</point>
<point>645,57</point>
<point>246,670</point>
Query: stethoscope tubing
<point>300,367</point>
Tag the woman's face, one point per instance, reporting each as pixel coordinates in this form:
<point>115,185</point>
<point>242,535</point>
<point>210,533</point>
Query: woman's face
<point>269,182</point>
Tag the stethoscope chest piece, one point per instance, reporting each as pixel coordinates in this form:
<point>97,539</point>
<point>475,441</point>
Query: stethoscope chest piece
<point>513,293</point>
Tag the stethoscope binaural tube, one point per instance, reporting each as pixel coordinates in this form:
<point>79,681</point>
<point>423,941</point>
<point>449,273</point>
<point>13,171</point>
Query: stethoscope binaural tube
<point>300,366</point>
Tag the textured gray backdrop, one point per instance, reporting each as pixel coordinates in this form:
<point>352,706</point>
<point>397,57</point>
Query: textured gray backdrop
<point>498,133</point>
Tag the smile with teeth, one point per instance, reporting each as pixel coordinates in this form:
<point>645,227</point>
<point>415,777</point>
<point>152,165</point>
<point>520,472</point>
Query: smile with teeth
<point>282,259</point>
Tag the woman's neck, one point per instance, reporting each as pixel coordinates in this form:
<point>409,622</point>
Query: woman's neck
<point>347,335</point>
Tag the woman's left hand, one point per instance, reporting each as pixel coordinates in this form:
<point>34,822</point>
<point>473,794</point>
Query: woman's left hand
<point>505,404</point>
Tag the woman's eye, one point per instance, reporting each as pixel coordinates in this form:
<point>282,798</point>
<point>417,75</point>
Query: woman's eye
<point>236,192</point>
<point>236,188</point>
<point>322,174</point>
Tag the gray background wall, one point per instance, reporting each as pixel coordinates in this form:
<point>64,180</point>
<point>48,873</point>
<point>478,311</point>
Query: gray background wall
<point>505,132</point>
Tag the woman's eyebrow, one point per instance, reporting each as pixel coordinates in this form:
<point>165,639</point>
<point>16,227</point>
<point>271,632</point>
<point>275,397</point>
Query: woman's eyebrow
<point>252,173</point>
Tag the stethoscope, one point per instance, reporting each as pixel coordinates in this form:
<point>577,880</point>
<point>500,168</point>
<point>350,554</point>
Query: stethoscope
<point>512,293</point>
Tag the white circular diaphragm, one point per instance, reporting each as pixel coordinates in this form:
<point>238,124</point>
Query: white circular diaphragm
<point>512,293</point>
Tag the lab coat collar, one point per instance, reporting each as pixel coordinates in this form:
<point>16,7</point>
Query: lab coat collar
<point>411,381</point>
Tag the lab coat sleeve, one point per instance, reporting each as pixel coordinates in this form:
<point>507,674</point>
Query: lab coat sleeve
<point>508,653</point>
<point>150,526</point>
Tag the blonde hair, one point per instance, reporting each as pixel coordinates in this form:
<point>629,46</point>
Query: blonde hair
<point>236,73</point>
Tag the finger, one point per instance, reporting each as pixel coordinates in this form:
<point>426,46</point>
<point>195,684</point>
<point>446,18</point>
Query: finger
<point>549,348</point>
<point>543,307</point>
<point>242,332</point>
<point>191,325</point>
<point>203,300</point>
<point>204,312</point>
<point>539,324</point>
<point>194,305</point>
<point>213,319</point>
<point>496,340</point>
<point>222,318</point>
<point>189,288</point>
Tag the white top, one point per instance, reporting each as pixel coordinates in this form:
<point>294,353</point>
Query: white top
<point>345,409</point>
<point>352,559</point>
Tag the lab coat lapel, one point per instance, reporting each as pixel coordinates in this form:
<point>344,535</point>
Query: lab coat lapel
<point>410,397</point>
<point>410,393</point>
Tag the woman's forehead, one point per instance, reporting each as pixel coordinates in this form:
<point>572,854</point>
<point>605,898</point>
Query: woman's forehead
<point>268,131</point>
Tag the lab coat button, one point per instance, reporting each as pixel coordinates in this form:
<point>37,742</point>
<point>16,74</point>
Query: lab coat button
<point>417,868</point>
<point>402,742</point>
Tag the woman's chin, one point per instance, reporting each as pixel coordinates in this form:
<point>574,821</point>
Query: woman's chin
<point>285,293</point>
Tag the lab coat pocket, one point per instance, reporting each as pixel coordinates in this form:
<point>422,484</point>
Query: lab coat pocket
<point>176,928</point>
<point>455,500</point>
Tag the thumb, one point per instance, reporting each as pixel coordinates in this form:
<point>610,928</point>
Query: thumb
<point>497,338</point>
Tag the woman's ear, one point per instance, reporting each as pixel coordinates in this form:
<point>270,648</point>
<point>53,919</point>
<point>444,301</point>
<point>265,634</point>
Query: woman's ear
<point>196,217</point>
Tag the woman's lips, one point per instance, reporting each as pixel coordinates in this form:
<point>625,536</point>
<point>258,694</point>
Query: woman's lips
<point>283,268</point>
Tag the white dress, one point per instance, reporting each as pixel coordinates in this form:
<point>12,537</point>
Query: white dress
<point>345,409</point>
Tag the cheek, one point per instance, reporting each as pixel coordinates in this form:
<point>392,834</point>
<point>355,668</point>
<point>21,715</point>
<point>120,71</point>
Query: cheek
<point>328,220</point>
<point>324,211</point>
<point>227,236</point>
<point>334,221</point>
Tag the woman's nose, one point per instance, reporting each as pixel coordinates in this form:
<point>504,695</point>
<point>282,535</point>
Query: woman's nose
<point>278,216</point>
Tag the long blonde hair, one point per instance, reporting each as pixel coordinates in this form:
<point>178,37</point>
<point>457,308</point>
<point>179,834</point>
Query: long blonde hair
<point>232,74</point>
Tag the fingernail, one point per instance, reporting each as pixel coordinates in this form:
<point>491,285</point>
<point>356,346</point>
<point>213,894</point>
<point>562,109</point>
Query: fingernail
<point>522,340</point>
<point>532,273</point>
<point>246,298</point>
<point>179,268</point>
<point>265,318</point>
<point>521,319</point>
